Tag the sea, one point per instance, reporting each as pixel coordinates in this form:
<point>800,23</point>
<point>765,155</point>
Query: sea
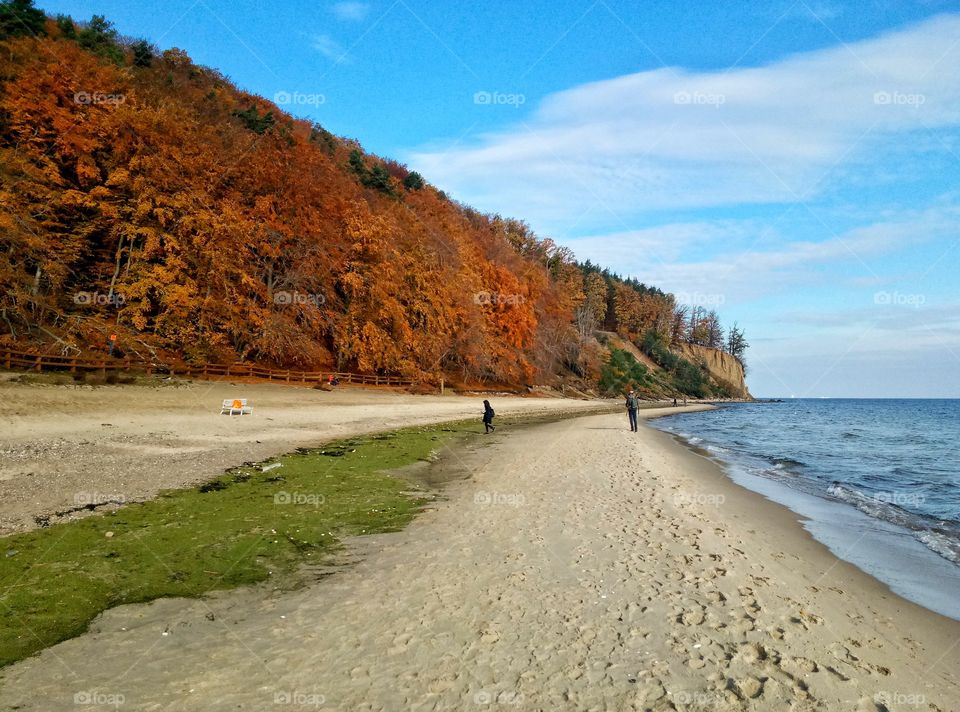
<point>876,480</point>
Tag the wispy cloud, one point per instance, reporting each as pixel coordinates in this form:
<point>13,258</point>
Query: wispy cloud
<point>750,261</point>
<point>350,11</point>
<point>330,48</point>
<point>673,139</point>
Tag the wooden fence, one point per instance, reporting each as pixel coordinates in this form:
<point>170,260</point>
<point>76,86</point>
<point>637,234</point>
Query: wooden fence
<point>12,360</point>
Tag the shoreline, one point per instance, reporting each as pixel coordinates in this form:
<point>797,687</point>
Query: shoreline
<point>882,550</point>
<point>580,565</point>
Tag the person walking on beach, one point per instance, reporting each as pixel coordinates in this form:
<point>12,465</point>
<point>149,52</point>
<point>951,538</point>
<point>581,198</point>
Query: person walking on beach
<point>488,417</point>
<point>632,405</point>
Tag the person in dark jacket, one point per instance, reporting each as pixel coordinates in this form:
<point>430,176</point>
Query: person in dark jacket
<point>632,405</point>
<point>488,417</point>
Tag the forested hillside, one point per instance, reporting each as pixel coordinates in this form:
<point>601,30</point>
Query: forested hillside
<point>148,197</point>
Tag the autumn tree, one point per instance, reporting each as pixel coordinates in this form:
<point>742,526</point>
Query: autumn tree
<point>713,330</point>
<point>143,195</point>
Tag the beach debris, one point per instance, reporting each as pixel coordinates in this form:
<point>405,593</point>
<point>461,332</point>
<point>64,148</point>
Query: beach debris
<point>749,687</point>
<point>271,466</point>
<point>108,535</point>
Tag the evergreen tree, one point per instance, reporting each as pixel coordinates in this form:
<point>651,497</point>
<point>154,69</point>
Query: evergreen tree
<point>20,17</point>
<point>413,181</point>
<point>101,38</point>
<point>253,121</point>
<point>737,344</point>
<point>143,54</point>
<point>67,28</point>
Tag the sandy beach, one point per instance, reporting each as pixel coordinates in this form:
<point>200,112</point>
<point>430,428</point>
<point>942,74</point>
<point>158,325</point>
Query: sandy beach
<point>65,447</point>
<point>581,567</point>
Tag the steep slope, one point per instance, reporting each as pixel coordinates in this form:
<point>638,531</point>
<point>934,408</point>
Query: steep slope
<point>145,196</point>
<point>725,370</point>
<point>149,208</point>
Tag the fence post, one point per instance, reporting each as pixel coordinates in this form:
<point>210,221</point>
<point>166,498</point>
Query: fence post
<point>441,385</point>
<point>38,367</point>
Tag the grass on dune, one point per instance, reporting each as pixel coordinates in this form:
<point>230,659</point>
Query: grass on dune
<point>241,528</point>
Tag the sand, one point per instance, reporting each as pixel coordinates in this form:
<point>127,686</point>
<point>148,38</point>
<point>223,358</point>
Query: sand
<point>581,567</point>
<point>65,447</point>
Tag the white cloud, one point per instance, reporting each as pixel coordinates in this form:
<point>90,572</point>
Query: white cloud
<point>861,352</point>
<point>329,47</point>
<point>672,138</point>
<point>350,11</point>
<point>751,261</point>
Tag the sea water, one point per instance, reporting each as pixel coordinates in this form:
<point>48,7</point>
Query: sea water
<point>877,480</point>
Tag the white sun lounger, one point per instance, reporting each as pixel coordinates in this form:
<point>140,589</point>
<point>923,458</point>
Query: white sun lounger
<point>235,406</point>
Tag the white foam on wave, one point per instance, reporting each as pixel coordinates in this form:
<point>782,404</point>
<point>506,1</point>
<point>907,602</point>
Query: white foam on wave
<point>945,544</point>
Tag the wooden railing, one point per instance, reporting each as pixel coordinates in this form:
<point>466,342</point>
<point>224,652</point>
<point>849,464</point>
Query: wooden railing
<point>16,360</point>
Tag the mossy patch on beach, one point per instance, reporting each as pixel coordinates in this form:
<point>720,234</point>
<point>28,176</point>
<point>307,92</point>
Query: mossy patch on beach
<point>252,523</point>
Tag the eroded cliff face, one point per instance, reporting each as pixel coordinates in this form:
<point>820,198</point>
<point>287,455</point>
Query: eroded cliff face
<point>724,368</point>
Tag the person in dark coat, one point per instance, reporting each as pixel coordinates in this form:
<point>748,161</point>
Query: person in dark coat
<point>488,417</point>
<point>632,405</point>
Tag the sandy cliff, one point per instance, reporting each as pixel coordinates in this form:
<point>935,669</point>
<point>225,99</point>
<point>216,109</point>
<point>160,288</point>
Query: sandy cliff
<point>722,366</point>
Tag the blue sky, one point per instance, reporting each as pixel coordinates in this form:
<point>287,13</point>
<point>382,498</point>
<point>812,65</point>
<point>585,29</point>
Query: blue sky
<point>794,164</point>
